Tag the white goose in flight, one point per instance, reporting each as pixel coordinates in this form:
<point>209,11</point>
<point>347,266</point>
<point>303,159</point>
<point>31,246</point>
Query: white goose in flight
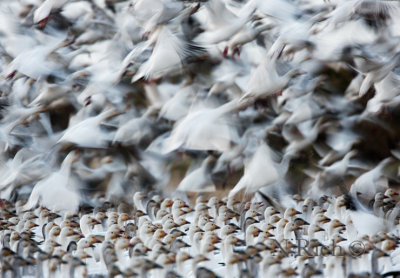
<point>265,81</point>
<point>88,133</point>
<point>205,129</point>
<point>260,171</point>
<point>58,191</point>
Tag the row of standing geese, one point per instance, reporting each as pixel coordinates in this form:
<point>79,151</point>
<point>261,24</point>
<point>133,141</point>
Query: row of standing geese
<point>102,99</point>
<point>162,237</point>
<point>105,96</point>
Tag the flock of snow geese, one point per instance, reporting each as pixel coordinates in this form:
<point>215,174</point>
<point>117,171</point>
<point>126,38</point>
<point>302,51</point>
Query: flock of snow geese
<point>163,237</point>
<point>220,138</point>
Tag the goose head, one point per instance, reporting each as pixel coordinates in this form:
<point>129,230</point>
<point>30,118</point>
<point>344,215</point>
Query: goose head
<point>123,217</point>
<point>228,229</point>
<point>169,225</point>
<point>178,204</point>
<point>54,232</point>
<point>321,219</point>
<point>336,225</point>
<point>208,247</point>
<point>182,256</point>
<point>269,211</point>
<point>166,203</point>
<point>210,226</point>
<point>253,230</point>
<point>291,212</point>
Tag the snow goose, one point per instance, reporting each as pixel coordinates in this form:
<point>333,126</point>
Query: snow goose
<point>228,244</point>
<point>251,233</point>
<point>232,260</point>
<point>181,258</point>
<point>378,205</point>
<point>42,13</point>
<point>279,9</point>
<point>177,106</point>
<point>260,171</point>
<point>45,191</point>
<point>166,261</point>
<point>280,226</point>
<point>101,217</point>
<point>136,130</point>
<point>138,198</point>
<point>375,255</point>
<point>14,238</point>
<point>378,74</point>
<point>290,213</point>
<point>167,44</point>
<point>21,170</point>
<point>112,218</point>
<point>332,175</point>
<point>121,245</point>
<point>88,133</point>
<point>123,218</point>
<point>310,109</point>
<point>341,143</point>
<point>66,236</point>
<point>224,217</point>
<point>220,23</point>
<point>169,225</point>
<point>87,246</point>
<point>268,261</point>
<point>203,272</point>
<point>386,94</point>
<point>225,83</point>
<point>335,227</point>
<point>230,162</point>
<point>246,35</point>
<point>204,129</point>
<point>34,62</point>
<point>49,94</point>
<point>159,234</point>
<point>50,231</point>
<point>108,255</point>
<point>265,81</point>
<point>207,247</point>
<point>54,263</point>
<point>86,224</point>
<point>227,230</point>
<point>199,180</point>
<point>312,229</point>
<point>368,184</point>
<point>213,204</point>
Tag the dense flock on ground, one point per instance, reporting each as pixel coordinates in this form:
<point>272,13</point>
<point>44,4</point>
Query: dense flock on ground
<point>199,138</point>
